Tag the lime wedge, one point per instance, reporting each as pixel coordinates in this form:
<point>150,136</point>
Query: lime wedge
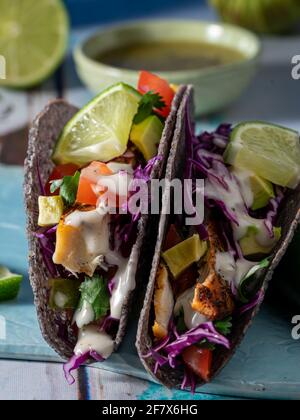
<point>33,40</point>
<point>270,151</point>
<point>100,131</point>
<point>9,284</point>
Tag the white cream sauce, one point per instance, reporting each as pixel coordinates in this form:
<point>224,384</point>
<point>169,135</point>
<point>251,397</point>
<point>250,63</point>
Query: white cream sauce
<point>93,227</point>
<point>85,315</point>
<point>115,167</point>
<point>92,241</point>
<point>243,178</point>
<point>115,185</point>
<point>236,205</point>
<point>90,338</point>
<point>60,300</point>
<point>230,270</point>
<point>192,319</point>
<point>242,269</point>
<point>124,280</point>
<point>226,266</point>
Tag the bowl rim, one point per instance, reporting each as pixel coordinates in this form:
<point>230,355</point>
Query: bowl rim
<point>80,56</point>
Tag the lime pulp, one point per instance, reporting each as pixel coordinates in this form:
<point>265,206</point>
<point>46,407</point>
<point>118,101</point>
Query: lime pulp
<point>270,151</point>
<point>33,40</point>
<point>9,284</point>
<point>99,131</point>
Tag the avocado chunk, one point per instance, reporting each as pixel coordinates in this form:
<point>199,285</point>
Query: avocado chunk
<point>146,136</point>
<point>250,246</point>
<point>64,293</point>
<point>182,256</point>
<point>50,210</point>
<point>257,192</point>
<point>263,192</point>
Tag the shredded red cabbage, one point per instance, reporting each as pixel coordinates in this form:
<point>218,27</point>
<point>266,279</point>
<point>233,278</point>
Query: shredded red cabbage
<point>78,360</point>
<point>172,349</point>
<point>125,232</point>
<point>47,240</point>
<point>145,174</point>
<point>216,141</point>
<point>189,380</point>
<point>205,331</point>
<point>258,299</point>
<point>272,214</point>
<point>109,325</point>
<point>111,285</point>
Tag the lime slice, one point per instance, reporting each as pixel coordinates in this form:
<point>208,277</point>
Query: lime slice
<point>33,40</point>
<point>100,131</point>
<point>270,151</point>
<point>9,284</point>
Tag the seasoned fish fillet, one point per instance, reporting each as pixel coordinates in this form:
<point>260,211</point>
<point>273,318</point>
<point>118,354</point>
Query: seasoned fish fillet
<point>213,297</point>
<point>163,303</point>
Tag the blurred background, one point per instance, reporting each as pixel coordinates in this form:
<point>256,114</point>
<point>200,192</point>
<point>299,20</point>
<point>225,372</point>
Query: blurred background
<point>84,12</point>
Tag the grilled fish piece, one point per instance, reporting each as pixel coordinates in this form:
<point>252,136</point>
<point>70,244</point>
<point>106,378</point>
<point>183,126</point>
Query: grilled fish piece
<point>163,303</point>
<point>213,297</point>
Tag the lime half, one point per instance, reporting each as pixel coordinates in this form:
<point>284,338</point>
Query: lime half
<point>9,284</point>
<point>100,131</point>
<point>33,40</point>
<point>270,151</point>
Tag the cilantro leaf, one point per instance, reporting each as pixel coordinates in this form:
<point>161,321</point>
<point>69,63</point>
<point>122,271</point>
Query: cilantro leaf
<point>95,291</point>
<point>68,187</point>
<point>148,102</point>
<point>224,327</point>
<point>248,284</point>
<point>204,344</point>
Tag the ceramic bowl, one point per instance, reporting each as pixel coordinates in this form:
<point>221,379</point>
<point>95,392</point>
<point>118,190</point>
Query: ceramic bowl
<point>216,87</point>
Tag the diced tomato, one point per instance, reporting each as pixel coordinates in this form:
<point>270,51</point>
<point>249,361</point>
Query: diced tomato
<point>85,193</point>
<point>150,82</point>
<point>95,170</point>
<point>58,173</point>
<point>172,238</point>
<point>88,181</point>
<point>199,361</point>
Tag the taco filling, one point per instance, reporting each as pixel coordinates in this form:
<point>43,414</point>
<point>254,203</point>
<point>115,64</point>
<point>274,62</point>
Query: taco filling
<point>87,230</point>
<point>210,275</point>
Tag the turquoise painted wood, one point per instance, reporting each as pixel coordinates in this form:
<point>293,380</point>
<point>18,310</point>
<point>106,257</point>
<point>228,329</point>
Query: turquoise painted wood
<point>267,365</point>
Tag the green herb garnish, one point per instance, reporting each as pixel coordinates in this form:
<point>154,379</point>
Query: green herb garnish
<point>224,327</point>
<point>68,187</point>
<point>204,344</point>
<point>95,291</point>
<point>247,285</point>
<point>148,103</point>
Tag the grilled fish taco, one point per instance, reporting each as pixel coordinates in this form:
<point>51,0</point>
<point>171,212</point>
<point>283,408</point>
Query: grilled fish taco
<point>209,277</point>
<point>84,244</point>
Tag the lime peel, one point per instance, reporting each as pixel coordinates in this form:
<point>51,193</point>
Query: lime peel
<point>100,130</point>
<point>268,150</point>
<point>33,40</point>
<point>10,284</point>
